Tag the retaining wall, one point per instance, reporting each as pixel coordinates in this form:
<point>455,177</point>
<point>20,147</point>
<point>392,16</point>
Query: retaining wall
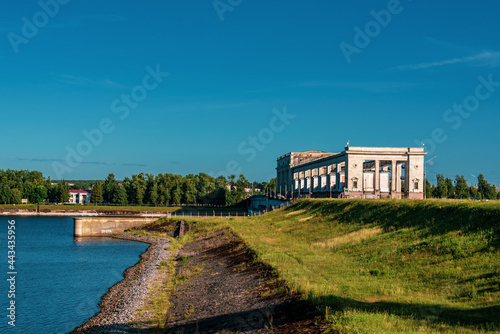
<point>105,226</point>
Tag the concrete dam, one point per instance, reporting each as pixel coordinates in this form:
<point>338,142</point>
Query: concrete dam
<point>106,226</point>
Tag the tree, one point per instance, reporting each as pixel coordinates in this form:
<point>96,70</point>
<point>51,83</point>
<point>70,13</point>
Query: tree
<point>441,188</point>
<point>136,188</point>
<point>461,187</point>
<point>62,192</point>
<point>151,194</point>
<point>450,188</point>
<point>428,189</point>
<point>96,196</point>
<point>491,193</point>
<point>38,195</point>
<point>28,190</point>
<point>5,194</point>
<point>271,186</point>
<point>240,192</point>
<point>52,194</point>
<point>119,195</point>
<point>189,190</point>
<point>109,188</point>
<point>433,191</point>
<point>230,198</point>
<point>473,192</point>
<point>113,192</point>
<point>220,182</point>
<point>175,192</point>
<point>164,185</point>
<point>205,184</point>
<point>486,190</point>
<point>231,180</point>
<point>16,196</point>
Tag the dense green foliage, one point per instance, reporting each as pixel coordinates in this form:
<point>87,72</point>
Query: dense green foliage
<point>174,189</point>
<point>96,196</point>
<point>162,189</point>
<point>459,189</point>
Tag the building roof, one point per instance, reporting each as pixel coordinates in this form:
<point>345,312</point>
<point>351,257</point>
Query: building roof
<point>78,191</point>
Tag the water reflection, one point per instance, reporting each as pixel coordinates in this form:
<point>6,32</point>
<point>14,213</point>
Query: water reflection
<point>94,240</point>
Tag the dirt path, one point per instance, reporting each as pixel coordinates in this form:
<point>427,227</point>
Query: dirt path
<point>220,289</point>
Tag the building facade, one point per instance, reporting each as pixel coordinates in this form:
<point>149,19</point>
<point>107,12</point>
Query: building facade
<point>356,172</point>
<point>79,196</point>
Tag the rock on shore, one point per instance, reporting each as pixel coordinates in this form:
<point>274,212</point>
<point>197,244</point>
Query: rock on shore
<point>119,304</point>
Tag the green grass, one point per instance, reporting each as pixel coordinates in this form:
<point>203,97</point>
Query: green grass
<point>17,206</point>
<point>385,266</point>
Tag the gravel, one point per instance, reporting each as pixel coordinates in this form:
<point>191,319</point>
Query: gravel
<point>119,305</point>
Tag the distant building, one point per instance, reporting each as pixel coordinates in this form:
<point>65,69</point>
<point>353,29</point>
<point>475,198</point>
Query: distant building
<point>356,172</point>
<point>79,196</point>
<point>24,201</point>
<point>251,190</point>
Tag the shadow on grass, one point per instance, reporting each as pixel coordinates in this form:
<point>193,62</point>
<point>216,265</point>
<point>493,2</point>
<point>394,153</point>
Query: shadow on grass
<point>431,218</point>
<point>432,312</point>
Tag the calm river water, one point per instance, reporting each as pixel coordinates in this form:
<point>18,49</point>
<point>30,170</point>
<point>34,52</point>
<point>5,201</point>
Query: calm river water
<point>58,280</point>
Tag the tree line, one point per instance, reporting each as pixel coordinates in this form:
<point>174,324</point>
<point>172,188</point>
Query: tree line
<point>31,185</point>
<point>161,189</point>
<point>458,188</point>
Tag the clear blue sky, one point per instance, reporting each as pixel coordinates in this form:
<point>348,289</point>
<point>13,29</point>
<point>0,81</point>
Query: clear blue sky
<point>229,67</point>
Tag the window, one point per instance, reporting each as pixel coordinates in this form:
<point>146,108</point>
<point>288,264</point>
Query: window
<point>416,186</point>
<point>355,184</point>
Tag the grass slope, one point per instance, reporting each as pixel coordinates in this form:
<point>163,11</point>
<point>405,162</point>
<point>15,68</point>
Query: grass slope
<point>386,266</point>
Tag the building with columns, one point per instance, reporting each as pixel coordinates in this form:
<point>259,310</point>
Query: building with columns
<point>79,196</point>
<point>356,172</point>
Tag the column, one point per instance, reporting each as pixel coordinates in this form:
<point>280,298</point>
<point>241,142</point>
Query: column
<point>347,184</point>
<point>407,177</point>
<point>337,177</point>
<point>376,175</point>
<point>394,171</point>
<point>398,180</point>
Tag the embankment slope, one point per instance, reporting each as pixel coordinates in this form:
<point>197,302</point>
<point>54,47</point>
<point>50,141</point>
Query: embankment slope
<point>387,266</point>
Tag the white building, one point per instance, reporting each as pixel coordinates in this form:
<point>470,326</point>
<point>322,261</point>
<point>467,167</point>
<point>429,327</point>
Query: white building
<point>79,196</point>
<point>356,172</point>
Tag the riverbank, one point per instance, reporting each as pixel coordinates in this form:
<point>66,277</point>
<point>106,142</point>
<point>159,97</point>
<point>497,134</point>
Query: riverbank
<point>214,283</point>
<point>91,210</point>
<point>119,304</point>
<point>220,286</point>
<point>80,213</point>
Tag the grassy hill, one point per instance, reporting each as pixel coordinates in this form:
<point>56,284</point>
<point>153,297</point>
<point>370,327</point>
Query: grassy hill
<point>386,266</point>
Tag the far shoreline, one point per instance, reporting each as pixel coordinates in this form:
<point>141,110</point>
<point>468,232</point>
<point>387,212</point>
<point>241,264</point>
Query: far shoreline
<point>81,213</point>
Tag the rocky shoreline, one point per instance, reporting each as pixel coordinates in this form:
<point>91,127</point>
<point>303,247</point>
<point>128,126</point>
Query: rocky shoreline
<point>119,304</point>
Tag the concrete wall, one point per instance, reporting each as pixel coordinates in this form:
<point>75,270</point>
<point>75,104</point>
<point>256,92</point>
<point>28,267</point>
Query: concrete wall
<point>105,226</point>
<point>257,203</point>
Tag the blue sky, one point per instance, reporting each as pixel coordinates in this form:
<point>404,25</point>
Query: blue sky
<point>233,66</point>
